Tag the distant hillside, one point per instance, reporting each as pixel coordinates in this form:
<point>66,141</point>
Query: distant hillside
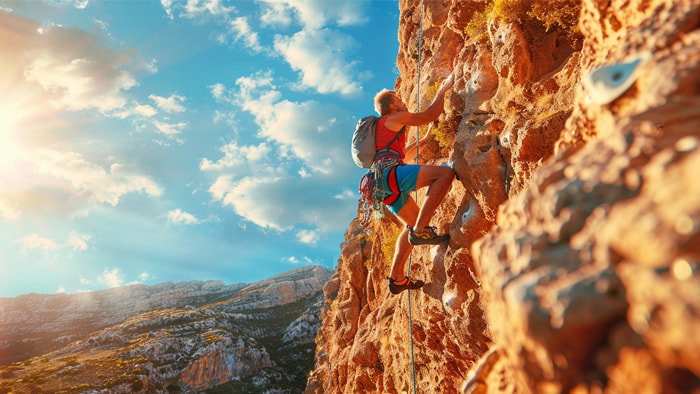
<point>172,337</point>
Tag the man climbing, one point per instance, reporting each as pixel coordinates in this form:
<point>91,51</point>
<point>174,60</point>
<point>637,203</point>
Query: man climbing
<point>397,179</point>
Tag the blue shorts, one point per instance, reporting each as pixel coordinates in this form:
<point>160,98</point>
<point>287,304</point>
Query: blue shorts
<point>406,177</point>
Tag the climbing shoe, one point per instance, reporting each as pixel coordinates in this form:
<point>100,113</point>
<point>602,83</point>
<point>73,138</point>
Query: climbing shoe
<point>397,286</point>
<point>426,236</point>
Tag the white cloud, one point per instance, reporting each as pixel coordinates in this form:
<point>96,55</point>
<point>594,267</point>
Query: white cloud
<point>309,237</point>
<point>78,241</point>
<point>75,71</point>
<point>226,117</point>
<point>236,156</point>
<point>240,29</point>
<point>65,67</point>
<point>36,242</point>
<point>143,110</point>
<point>222,185</point>
<point>347,194</point>
<point>177,216</point>
<point>218,91</point>
<point>145,276</point>
<point>213,7</point>
<point>281,203</point>
<point>75,241</point>
<point>114,277</point>
<point>170,104</point>
<point>79,4</point>
<point>169,129</point>
<point>319,56</point>
<point>255,93</point>
<point>168,7</point>
<point>75,83</point>
<point>276,14</point>
<point>313,14</point>
<point>307,130</point>
<point>248,198</point>
<point>317,52</point>
<point>197,9</point>
<point>151,67</point>
<point>295,260</point>
<point>93,181</point>
<point>296,176</point>
<point>111,278</point>
<point>8,211</point>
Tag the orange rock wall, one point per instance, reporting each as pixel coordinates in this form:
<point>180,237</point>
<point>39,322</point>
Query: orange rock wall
<point>574,262</point>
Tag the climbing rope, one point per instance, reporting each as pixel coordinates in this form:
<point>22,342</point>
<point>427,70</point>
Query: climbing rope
<point>410,257</point>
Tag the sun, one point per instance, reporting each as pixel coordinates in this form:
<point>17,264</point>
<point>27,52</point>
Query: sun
<point>26,118</point>
<point>28,123</point>
<point>21,114</point>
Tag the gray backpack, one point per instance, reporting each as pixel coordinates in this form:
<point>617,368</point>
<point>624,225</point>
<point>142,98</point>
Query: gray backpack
<point>364,144</point>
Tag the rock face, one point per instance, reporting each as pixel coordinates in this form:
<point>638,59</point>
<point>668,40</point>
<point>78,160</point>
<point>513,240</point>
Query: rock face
<point>574,260</point>
<point>173,337</point>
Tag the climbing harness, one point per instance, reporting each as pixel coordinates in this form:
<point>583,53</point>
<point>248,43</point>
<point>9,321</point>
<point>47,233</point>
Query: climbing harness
<point>408,293</point>
<point>371,185</point>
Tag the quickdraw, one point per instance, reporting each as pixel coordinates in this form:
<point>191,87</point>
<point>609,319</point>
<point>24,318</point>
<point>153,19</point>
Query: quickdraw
<point>367,193</point>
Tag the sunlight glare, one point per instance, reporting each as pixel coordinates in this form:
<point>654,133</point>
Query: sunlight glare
<point>16,127</point>
<point>9,149</point>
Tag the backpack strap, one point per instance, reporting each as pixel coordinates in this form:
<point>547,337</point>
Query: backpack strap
<point>396,137</point>
<point>387,150</point>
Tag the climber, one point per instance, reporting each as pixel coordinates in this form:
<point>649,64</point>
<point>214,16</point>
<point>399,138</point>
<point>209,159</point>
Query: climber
<point>398,179</point>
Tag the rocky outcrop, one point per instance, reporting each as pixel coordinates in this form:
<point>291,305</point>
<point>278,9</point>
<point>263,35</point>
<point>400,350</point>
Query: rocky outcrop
<point>173,337</point>
<point>573,127</point>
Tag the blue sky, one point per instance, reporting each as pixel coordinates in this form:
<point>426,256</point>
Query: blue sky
<point>154,141</point>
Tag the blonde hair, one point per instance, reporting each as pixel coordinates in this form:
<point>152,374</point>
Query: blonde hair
<point>382,101</point>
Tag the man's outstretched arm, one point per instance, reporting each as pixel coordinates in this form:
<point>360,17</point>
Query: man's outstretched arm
<point>398,119</point>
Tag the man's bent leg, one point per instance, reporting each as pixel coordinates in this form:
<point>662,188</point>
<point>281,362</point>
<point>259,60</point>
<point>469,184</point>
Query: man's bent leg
<point>439,181</point>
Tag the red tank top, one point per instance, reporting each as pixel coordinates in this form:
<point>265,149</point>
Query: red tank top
<point>384,136</point>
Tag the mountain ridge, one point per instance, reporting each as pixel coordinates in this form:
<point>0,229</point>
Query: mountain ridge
<point>170,337</point>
